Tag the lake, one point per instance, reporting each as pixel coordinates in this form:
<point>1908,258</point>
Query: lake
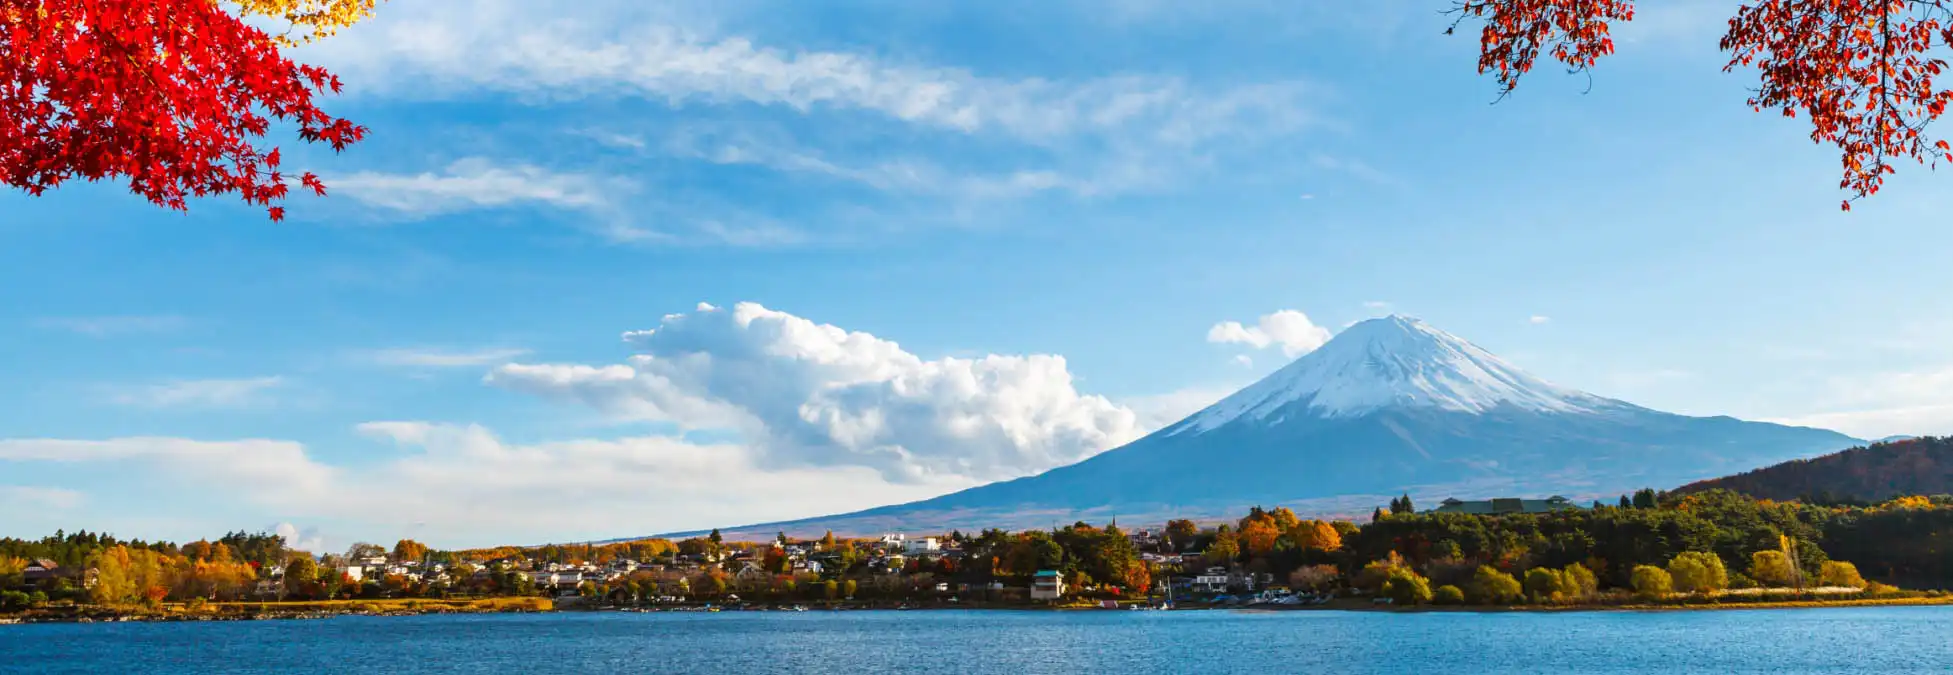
<point>1842,640</point>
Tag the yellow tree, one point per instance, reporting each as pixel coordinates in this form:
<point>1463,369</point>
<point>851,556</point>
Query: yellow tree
<point>1315,535</point>
<point>1285,519</point>
<point>1259,536</point>
<point>310,19</point>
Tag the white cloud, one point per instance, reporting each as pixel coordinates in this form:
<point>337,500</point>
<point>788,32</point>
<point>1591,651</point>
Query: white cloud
<point>907,174</point>
<point>1289,329</point>
<point>110,326</point>
<point>278,467</point>
<point>436,357</point>
<point>29,497</point>
<point>456,485</point>
<point>477,183</point>
<point>1539,320</point>
<point>807,394</point>
<point>544,52</point>
<point>1918,402</point>
<point>301,539</point>
<point>199,393</point>
<point>1245,360</point>
<point>1159,410</point>
<point>1919,420</point>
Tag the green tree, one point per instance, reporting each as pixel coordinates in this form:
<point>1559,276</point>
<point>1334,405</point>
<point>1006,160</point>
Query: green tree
<point>1402,506</point>
<point>1544,584</point>
<point>1180,533</point>
<point>1224,549</point>
<point>1644,498</point>
<point>1650,582</point>
<point>300,573</point>
<point>1625,503</point>
<point>847,588</point>
<point>1405,587</point>
<point>1489,586</point>
<point>1698,572</point>
<point>1377,515</point>
<point>1448,595</point>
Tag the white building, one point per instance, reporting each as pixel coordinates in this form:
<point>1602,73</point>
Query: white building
<point>921,546</point>
<point>1047,585</point>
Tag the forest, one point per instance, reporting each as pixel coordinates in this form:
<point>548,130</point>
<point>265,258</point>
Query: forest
<point>1858,476</point>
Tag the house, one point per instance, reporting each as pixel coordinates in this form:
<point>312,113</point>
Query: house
<point>894,541</point>
<point>921,546</point>
<point>1504,505</point>
<point>44,573</point>
<point>751,573</point>
<point>1047,585</point>
<point>1211,582</point>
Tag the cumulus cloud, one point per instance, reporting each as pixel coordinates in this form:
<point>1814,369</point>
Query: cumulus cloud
<point>1289,329</point>
<point>813,394</point>
<point>219,393</point>
<point>1539,320</point>
<point>300,539</point>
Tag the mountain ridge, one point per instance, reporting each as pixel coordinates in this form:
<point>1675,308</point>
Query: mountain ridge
<point>1390,405</point>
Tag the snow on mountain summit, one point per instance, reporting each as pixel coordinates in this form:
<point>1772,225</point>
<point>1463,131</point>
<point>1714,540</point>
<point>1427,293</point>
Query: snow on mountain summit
<point>1394,361</point>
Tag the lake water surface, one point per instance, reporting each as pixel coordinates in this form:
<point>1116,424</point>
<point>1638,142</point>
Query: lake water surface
<point>1844,640</point>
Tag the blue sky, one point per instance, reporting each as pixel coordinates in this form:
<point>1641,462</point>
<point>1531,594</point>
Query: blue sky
<point>924,203</point>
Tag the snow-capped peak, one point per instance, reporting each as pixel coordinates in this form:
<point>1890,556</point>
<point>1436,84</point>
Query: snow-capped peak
<point>1394,361</point>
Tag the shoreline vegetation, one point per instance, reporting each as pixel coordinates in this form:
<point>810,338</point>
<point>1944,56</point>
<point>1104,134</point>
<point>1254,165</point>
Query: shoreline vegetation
<point>273,610</point>
<point>1650,551</point>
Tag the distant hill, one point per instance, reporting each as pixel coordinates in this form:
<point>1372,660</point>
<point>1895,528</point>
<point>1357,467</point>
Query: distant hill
<point>1874,473</point>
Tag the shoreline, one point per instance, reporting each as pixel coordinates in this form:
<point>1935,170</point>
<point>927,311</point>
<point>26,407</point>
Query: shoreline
<point>309,611</point>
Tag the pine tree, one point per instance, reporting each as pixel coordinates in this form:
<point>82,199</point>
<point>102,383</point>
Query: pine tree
<point>1377,515</point>
<point>1624,502</point>
<point>1407,507</point>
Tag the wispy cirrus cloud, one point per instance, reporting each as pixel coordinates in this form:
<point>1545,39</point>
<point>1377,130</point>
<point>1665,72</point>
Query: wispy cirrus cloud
<point>213,393</point>
<point>112,326</point>
<point>478,183</point>
<point>546,54</point>
<point>25,497</point>
<point>439,357</point>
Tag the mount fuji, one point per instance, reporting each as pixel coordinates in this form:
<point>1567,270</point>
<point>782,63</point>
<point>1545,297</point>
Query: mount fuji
<point>1390,405</point>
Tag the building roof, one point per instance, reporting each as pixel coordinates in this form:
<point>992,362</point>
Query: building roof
<point>1500,505</point>
<point>1047,573</point>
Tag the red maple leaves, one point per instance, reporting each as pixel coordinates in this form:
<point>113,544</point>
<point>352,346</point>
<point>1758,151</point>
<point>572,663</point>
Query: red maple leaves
<point>1515,30</point>
<point>171,94</point>
<point>1860,70</point>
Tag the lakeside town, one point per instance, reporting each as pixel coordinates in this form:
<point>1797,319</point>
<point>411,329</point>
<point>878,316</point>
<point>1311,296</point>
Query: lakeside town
<point>1649,549</point>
